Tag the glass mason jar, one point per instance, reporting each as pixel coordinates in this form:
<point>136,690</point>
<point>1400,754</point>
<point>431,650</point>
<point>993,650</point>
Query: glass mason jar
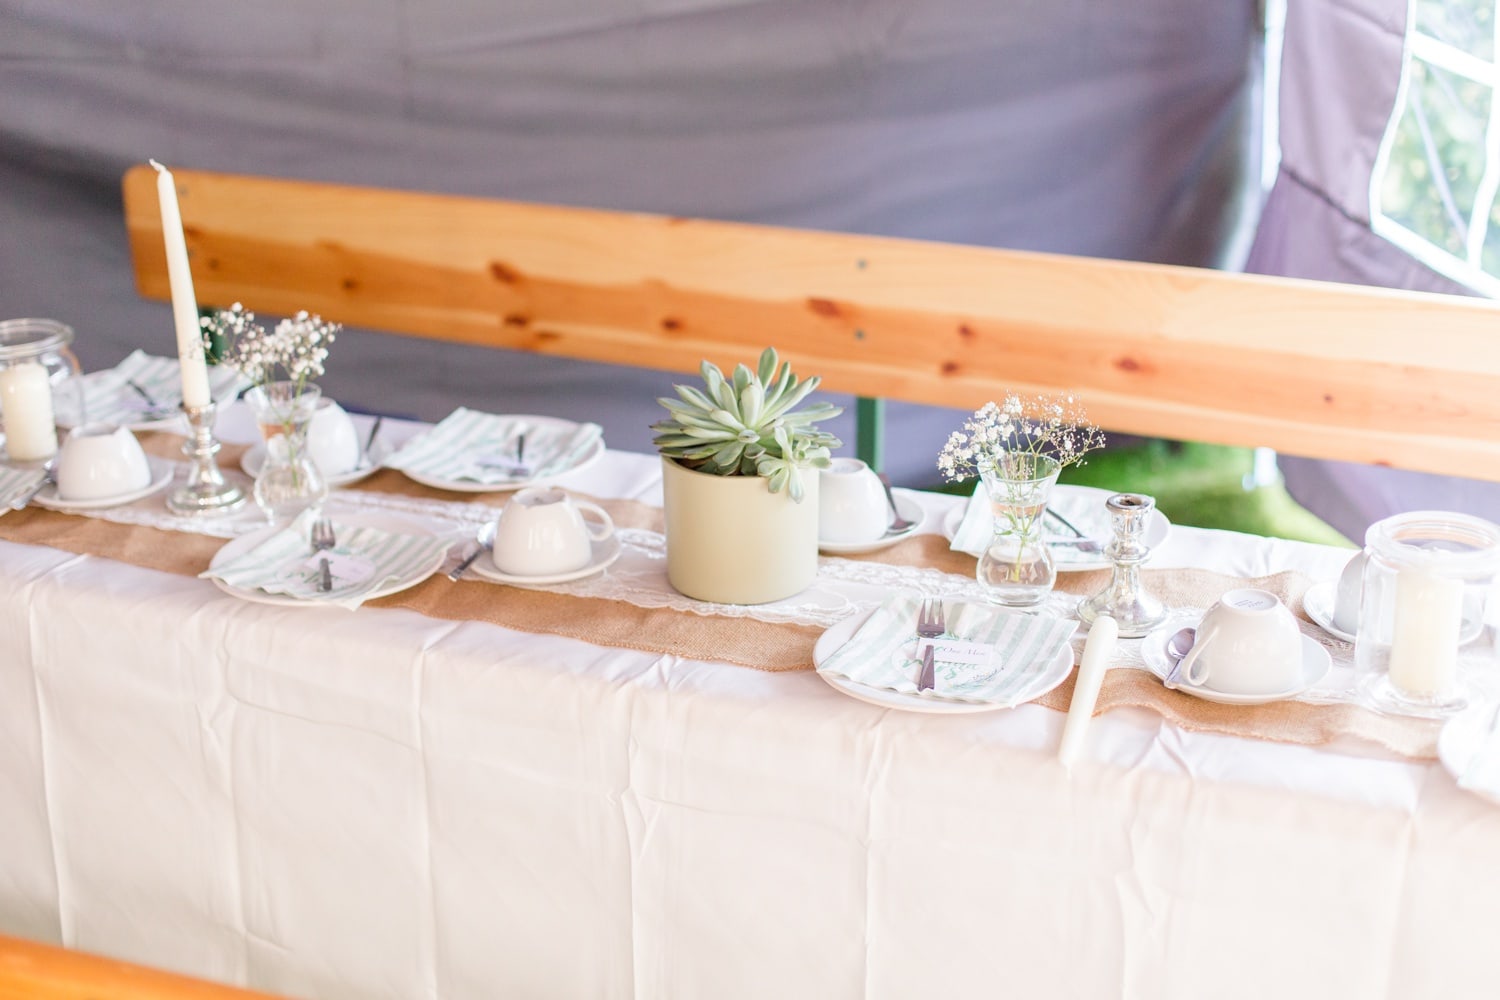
<point>289,480</point>
<point>40,381</point>
<point>1016,569</point>
<point>1427,588</point>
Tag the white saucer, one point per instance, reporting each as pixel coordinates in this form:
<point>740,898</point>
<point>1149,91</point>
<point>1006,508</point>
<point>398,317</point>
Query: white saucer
<point>907,507</point>
<point>1315,666</point>
<point>1070,500</point>
<point>254,460</point>
<point>161,475</point>
<point>1057,671</point>
<point>604,553</point>
<point>1466,737</point>
<point>589,457</point>
<point>370,519</point>
<point>1318,602</point>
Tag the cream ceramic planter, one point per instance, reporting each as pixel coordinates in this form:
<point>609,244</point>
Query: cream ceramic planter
<point>730,540</point>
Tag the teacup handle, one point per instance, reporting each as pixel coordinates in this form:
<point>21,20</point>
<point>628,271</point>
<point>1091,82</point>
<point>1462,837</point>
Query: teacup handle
<point>608,524</point>
<point>1191,659</point>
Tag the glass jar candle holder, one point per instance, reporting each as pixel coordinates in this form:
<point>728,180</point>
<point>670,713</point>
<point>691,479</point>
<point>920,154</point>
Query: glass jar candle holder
<point>1426,595</point>
<point>40,380</point>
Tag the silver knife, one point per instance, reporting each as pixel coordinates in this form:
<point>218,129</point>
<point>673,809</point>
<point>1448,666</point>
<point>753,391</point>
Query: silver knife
<point>925,680</point>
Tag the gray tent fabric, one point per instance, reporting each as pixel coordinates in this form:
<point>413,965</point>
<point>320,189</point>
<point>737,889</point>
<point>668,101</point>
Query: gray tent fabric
<point>1341,67</point>
<point>1119,130</point>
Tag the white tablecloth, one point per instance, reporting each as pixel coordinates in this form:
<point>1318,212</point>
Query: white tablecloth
<point>378,804</point>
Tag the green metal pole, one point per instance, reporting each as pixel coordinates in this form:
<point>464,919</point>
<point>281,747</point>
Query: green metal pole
<point>869,432</point>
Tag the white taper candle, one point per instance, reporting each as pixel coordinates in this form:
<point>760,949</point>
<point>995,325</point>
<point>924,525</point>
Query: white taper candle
<point>1097,649</point>
<point>184,304</point>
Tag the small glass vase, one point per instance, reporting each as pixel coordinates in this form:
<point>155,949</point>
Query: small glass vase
<point>1016,569</point>
<point>289,481</point>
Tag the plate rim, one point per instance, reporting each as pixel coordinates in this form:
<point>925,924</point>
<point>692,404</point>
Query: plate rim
<point>900,701</point>
<point>887,540</point>
<point>1153,651</point>
<point>239,543</point>
<point>598,563</point>
<point>163,470</point>
<point>595,452</point>
<point>955,516</point>
<point>1323,616</point>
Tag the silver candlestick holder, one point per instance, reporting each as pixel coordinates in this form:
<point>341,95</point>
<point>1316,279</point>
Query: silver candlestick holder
<point>206,490</point>
<point>1124,599</point>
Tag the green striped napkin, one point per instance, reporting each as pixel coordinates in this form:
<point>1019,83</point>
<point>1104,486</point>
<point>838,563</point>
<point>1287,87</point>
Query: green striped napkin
<point>481,448</point>
<point>364,561</point>
<point>16,483</point>
<point>886,653</point>
<point>108,396</point>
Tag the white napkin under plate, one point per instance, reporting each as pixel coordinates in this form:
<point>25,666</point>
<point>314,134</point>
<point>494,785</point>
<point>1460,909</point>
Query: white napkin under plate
<point>886,653</point>
<point>108,396</point>
<point>16,483</point>
<point>481,448</point>
<point>1084,509</point>
<point>364,560</point>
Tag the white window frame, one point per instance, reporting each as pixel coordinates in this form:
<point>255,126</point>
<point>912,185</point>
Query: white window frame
<point>1467,270</point>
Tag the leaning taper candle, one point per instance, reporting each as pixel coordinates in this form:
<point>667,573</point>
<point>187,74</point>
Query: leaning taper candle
<point>184,304</point>
<point>1097,649</point>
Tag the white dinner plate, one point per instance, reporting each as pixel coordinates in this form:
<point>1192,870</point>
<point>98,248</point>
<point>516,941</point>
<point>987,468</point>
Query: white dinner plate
<point>366,519</point>
<point>1470,734</point>
<point>830,641</point>
<point>1315,666</point>
<point>254,460</point>
<point>603,553</point>
<point>589,457</point>
<point>1318,602</point>
<point>161,475</point>
<point>1067,557</point>
<point>907,507</point>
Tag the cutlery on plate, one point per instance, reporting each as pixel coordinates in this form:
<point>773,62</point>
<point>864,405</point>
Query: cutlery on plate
<point>49,478</point>
<point>323,539</point>
<point>154,407</point>
<point>1178,646</point>
<point>898,523</point>
<point>482,543</point>
<point>930,625</point>
<point>364,453</point>
<point>1083,543</point>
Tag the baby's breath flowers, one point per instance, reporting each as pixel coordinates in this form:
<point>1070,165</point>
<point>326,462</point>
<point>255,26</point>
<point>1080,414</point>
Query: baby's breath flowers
<point>297,347</point>
<point>1015,439</point>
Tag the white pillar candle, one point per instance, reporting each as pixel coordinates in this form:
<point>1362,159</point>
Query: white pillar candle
<point>26,408</point>
<point>1097,649</point>
<point>184,303</point>
<point>1428,615</point>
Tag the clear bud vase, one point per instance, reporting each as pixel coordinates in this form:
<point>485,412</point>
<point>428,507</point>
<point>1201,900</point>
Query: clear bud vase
<point>1016,569</point>
<point>289,481</point>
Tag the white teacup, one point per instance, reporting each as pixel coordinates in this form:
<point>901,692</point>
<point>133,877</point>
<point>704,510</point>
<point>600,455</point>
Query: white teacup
<point>542,531</point>
<point>1248,643</point>
<point>99,461</point>
<point>852,508</point>
<point>332,440</point>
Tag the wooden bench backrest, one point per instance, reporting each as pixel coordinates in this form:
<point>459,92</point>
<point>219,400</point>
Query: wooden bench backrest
<point>1333,371</point>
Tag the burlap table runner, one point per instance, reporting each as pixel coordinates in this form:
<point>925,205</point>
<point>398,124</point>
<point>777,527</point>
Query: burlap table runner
<point>748,642</point>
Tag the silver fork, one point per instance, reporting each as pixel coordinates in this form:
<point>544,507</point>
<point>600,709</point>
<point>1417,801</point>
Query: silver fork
<point>1083,543</point>
<point>324,539</point>
<point>930,625</point>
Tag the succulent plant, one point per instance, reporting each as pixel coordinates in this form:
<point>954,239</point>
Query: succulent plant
<point>745,425</point>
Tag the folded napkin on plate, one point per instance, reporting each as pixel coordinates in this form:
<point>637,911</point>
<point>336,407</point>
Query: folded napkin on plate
<point>364,560</point>
<point>1083,509</point>
<point>16,483</point>
<point>886,653</point>
<point>481,448</point>
<point>108,396</point>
